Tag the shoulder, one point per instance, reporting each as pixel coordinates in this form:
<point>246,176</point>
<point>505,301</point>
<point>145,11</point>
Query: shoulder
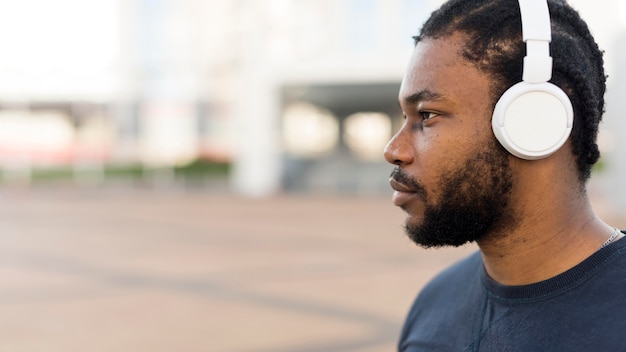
<point>609,264</point>
<point>609,275</point>
<point>461,274</point>
<point>455,292</point>
<point>457,281</point>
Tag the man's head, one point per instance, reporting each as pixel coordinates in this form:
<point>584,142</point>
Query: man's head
<point>494,45</point>
<point>452,177</point>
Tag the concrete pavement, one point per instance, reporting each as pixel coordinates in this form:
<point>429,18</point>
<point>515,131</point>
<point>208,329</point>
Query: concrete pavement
<point>130,270</point>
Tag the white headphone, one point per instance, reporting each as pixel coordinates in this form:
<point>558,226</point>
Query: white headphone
<point>533,118</point>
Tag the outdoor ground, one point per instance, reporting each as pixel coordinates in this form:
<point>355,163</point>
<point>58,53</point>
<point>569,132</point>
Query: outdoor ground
<point>126,270</point>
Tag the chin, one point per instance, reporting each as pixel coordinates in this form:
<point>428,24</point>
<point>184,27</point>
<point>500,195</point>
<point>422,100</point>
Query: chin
<point>415,213</point>
<point>414,221</point>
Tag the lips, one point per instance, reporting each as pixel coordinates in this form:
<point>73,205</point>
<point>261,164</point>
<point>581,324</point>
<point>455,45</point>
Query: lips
<point>399,186</point>
<point>402,194</point>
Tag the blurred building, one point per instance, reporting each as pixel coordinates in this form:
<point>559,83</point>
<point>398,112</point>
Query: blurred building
<point>301,95</point>
<point>317,92</point>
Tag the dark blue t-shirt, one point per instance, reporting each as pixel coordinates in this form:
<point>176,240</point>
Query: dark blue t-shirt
<point>463,309</point>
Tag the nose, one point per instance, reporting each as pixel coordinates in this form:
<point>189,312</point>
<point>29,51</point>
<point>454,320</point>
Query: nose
<point>399,149</point>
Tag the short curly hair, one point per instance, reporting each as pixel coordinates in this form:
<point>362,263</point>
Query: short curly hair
<point>494,45</point>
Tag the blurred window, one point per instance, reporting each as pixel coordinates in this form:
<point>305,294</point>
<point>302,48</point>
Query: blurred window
<point>309,131</point>
<point>367,133</point>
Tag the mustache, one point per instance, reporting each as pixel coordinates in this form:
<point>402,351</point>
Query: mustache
<point>402,177</point>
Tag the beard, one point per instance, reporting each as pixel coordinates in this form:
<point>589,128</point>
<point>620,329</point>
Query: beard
<point>473,201</point>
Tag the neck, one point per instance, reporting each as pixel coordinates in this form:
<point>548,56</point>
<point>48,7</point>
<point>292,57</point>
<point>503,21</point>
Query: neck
<point>544,242</point>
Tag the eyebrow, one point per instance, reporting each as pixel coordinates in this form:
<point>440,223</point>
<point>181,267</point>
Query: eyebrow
<point>423,95</point>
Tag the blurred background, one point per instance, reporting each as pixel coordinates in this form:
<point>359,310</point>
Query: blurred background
<point>207,175</point>
<point>273,95</point>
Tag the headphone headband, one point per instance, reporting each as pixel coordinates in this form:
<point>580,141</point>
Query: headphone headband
<point>537,35</point>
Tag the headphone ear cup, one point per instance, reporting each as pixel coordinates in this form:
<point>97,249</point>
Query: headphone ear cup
<point>532,120</point>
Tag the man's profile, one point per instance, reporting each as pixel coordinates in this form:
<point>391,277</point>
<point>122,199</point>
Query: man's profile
<point>502,101</point>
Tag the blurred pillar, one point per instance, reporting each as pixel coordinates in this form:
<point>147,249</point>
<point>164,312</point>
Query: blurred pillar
<point>256,162</point>
<point>615,126</point>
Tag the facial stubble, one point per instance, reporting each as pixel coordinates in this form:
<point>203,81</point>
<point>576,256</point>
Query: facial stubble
<point>472,204</point>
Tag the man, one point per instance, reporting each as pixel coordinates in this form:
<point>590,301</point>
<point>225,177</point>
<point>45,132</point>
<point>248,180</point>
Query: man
<point>550,275</point>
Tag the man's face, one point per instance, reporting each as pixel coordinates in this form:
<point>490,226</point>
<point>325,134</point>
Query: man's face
<point>451,176</point>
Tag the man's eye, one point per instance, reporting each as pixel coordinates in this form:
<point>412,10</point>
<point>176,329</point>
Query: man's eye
<point>427,115</point>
